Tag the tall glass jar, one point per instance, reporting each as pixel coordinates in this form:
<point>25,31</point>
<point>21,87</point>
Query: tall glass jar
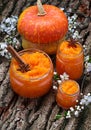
<point>70,59</point>
<point>68,93</point>
<point>36,82</point>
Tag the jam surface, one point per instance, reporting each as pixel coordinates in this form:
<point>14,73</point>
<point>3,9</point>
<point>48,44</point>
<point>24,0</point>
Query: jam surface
<point>38,62</point>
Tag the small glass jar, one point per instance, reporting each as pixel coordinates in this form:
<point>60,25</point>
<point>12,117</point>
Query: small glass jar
<point>31,87</point>
<point>67,98</point>
<point>72,64</point>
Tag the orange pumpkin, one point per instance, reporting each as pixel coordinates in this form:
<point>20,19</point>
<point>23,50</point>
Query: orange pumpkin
<point>42,30</point>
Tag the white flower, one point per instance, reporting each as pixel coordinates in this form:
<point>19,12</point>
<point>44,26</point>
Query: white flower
<point>82,107</point>
<point>3,45</point>
<point>62,8</point>
<point>68,114</point>
<point>86,58</point>
<point>77,101</point>
<point>64,76</point>
<point>78,107</point>
<point>88,94</point>
<point>8,25</point>
<point>59,81</point>
<point>89,67</point>
<point>83,101</point>
<point>72,109</point>
<point>54,87</point>
<point>81,94</point>
<point>54,72</point>
<point>85,97</point>
<point>76,113</point>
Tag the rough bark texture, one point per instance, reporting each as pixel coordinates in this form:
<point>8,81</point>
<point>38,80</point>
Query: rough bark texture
<point>17,113</point>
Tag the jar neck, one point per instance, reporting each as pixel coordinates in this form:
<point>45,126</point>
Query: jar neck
<point>69,55</point>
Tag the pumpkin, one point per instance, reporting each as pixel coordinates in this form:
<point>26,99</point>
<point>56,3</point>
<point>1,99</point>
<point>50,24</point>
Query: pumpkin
<point>42,27</point>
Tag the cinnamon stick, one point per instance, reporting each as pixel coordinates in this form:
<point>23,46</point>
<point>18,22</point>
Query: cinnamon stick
<point>23,66</point>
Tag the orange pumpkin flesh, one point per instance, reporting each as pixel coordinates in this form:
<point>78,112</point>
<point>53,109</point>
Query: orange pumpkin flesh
<point>45,29</point>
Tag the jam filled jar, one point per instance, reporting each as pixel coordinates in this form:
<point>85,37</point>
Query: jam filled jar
<point>70,59</point>
<point>67,94</point>
<point>38,80</point>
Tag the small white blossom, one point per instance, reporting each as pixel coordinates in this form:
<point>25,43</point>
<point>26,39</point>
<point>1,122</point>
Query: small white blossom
<point>83,101</point>
<point>3,45</point>
<point>62,8</point>
<point>72,27</point>
<point>82,107</point>
<point>88,94</point>
<point>59,81</point>
<point>89,99</point>
<point>86,58</point>
<point>54,72</point>
<point>88,67</point>
<point>78,107</point>
<point>72,109</point>
<point>9,25</point>
<point>77,101</point>
<point>76,113</point>
<point>85,97</point>
<point>68,114</point>
<point>64,76</point>
<point>81,94</point>
<point>67,117</point>
<point>54,87</point>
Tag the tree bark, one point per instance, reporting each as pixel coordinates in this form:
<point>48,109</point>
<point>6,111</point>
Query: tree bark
<point>17,113</point>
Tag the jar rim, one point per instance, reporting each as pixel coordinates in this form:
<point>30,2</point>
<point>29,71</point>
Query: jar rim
<point>71,56</point>
<point>74,94</point>
<point>31,50</point>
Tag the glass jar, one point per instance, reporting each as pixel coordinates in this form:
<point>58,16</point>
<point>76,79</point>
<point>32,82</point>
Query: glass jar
<point>31,86</point>
<point>67,94</point>
<point>70,61</point>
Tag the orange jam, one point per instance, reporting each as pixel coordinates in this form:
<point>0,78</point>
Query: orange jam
<point>68,93</point>
<point>35,82</point>
<point>70,59</point>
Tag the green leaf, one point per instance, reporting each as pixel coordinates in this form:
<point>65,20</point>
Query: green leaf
<point>58,116</point>
<point>89,60</point>
<point>65,113</point>
<point>56,77</point>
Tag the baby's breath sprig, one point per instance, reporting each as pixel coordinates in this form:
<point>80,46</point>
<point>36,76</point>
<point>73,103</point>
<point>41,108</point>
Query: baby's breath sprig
<point>8,25</point>
<point>59,79</point>
<point>72,27</point>
<point>73,24</point>
<point>8,30</point>
<point>84,101</point>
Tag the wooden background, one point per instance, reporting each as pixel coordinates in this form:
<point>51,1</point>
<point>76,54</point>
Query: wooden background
<point>17,113</point>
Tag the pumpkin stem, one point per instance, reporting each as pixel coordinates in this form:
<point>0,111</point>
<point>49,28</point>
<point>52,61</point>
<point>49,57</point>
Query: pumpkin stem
<point>40,8</point>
